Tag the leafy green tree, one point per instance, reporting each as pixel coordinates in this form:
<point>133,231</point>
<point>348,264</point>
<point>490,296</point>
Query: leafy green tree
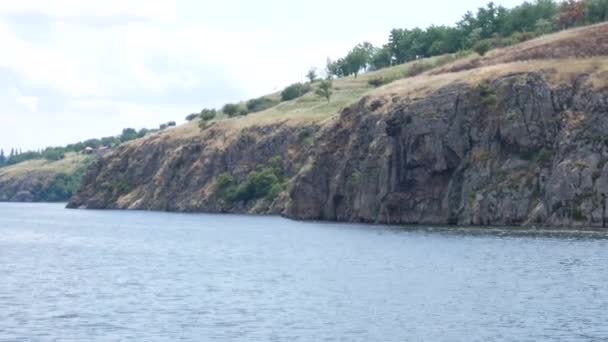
<point>324,90</point>
<point>312,75</point>
<point>142,132</point>
<point>332,69</point>
<point>128,134</point>
<point>208,114</point>
<point>596,11</point>
<point>2,158</point>
<point>382,58</point>
<point>230,109</point>
<point>357,59</point>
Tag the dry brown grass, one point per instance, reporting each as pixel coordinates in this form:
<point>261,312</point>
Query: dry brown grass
<point>584,42</point>
<point>555,72</point>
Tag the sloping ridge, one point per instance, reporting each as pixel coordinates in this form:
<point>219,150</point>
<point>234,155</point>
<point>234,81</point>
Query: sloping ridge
<point>517,143</point>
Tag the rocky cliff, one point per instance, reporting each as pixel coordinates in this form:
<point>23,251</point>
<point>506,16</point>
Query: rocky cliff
<point>508,151</point>
<point>513,138</point>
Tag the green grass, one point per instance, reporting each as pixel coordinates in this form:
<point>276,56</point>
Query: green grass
<point>346,91</point>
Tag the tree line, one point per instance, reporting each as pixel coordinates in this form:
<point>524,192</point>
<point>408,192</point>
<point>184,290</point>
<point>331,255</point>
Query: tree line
<point>57,153</point>
<point>489,27</point>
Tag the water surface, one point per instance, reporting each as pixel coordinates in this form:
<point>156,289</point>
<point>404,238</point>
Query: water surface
<point>71,275</point>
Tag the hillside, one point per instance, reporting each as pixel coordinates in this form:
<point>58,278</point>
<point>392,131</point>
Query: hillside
<point>42,180</point>
<point>512,138</point>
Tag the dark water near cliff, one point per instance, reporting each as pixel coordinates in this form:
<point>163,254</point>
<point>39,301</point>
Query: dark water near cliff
<point>92,275</point>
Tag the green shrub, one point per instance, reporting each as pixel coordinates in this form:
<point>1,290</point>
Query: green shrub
<point>294,91</point>
<point>230,109</point>
<point>377,82</point>
<point>482,46</point>
<point>259,104</point>
<point>208,114</point>
<point>264,183</point>
<point>191,117</point>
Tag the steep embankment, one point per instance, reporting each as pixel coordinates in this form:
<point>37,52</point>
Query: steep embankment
<point>496,143</point>
<point>42,180</point>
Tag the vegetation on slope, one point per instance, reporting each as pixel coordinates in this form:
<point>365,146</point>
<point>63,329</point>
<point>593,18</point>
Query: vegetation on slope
<point>43,180</point>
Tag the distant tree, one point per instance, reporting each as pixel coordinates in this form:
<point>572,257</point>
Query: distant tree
<point>230,109</point>
<point>208,114</point>
<point>2,158</point>
<point>356,60</point>
<point>324,90</point>
<point>142,132</point>
<point>192,116</point>
<point>312,75</point>
<point>128,134</point>
<point>382,58</point>
<point>171,124</point>
<point>596,11</point>
<point>162,127</point>
<point>294,91</point>
<point>332,69</point>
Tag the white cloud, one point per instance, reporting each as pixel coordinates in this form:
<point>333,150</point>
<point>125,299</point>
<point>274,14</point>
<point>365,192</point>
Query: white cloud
<point>165,9</point>
<point>93,80</point>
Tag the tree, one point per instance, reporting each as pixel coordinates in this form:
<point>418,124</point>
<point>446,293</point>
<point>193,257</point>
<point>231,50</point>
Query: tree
<point>571,13</point>
<point>128,134</point>
<point>357,59</point>
<point>324,90</point>
<point>230,109</point>
<point>2,158</point>
<point>596,11</point>
<point>312,75</point>
<point>208,114</point>
<point>382,58</point>
<point>331,69</point>
<point>192,116</point>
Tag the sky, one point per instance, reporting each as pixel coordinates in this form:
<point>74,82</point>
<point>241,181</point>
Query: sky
<point>71,70</point>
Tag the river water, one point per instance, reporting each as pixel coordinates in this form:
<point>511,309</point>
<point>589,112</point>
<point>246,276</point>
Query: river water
<point>75,275</point>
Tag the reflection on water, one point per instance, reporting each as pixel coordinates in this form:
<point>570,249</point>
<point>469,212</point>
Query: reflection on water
<point>105,275</point>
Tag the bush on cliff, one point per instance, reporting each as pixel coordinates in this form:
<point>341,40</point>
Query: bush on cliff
<point>264,183</point>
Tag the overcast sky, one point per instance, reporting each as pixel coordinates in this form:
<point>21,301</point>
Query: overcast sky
<point>72,70</point>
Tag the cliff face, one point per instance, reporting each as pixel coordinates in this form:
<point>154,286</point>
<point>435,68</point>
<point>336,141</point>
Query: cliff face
<point>180,174</point>
<point>516,149</point>
<point>510,151</point>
